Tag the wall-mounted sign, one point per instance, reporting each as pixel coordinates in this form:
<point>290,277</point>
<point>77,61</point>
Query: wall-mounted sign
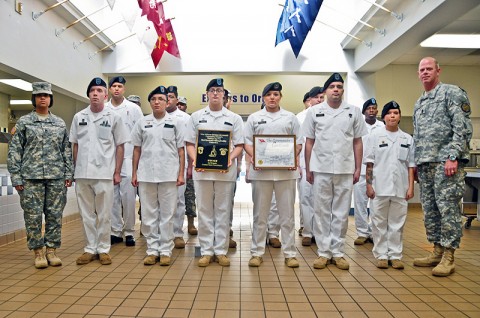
<point>244,98</point>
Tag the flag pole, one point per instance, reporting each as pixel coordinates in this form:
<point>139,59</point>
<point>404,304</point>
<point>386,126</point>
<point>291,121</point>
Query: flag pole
<point>380,31</point>
<point>60,31</point>
<point>392,13</point>
<point>90,56</point>
<point>77,44</point>
<point>36,15</point>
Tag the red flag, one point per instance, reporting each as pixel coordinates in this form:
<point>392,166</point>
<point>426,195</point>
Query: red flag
<point>172,46</point>
<point>160,45</point>
<point>153,10</point>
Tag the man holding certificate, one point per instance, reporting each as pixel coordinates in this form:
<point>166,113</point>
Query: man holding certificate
<point>273,141</point>
<point>333,158</point>
<point>214,138</point>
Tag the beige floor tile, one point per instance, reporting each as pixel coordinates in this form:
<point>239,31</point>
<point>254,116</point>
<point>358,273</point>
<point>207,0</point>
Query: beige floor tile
<point>128,288</point>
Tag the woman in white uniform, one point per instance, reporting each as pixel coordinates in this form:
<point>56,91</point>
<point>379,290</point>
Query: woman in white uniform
<point>273,120</point>
<point>390,174</point>
<point>158,169</point>
<point>214,190</point>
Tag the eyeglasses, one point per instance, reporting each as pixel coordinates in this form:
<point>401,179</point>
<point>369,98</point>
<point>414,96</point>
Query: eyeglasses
<point>217,90</point>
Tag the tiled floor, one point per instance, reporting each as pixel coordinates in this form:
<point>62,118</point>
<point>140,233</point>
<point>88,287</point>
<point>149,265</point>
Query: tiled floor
<point>127,288</point>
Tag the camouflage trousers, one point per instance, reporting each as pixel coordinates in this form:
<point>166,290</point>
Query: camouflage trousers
<point>441,202</point>
<point>43,197</point>
<point>190,206</point>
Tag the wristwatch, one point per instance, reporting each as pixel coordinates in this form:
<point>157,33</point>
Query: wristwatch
<point>452,158</point>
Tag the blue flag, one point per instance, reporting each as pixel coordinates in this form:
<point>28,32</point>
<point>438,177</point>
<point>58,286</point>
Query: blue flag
<point>296,21</point>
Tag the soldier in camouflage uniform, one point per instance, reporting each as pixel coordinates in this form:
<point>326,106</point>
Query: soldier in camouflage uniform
<point>41,168</point>
<point>190,206</point>
<point>442,131</point>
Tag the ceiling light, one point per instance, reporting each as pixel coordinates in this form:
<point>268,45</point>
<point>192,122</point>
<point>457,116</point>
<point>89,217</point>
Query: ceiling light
<point>454,41</point>
<point>18,83</point>
<point>20,102</point>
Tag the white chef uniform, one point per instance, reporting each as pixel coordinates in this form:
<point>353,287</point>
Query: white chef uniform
<point>333,164</point>
<point>97,136</point>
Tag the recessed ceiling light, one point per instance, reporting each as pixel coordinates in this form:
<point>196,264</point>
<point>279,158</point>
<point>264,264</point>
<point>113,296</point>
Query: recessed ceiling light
<point>18,83</point>
<point>454,41</point>
<point>20,102</point>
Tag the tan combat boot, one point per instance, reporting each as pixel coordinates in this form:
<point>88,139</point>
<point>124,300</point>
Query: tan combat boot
<point>192,230</point>
<point>40,260</point>
<point>52,258</point>
<point>431,260</point>
<point>446,266</point>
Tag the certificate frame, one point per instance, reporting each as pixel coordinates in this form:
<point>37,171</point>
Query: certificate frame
<point>274,152</point>
<point>212,150</point>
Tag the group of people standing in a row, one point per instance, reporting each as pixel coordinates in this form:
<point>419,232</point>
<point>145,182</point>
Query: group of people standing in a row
<point>338,146</point>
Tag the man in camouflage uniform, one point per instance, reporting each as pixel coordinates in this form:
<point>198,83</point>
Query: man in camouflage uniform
<point>41,168</point>
<point>190,206</point>
<point>442,131</point>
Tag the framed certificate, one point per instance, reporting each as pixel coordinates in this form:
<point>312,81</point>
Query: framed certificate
<point>213,150</point>
<point>274,151</point>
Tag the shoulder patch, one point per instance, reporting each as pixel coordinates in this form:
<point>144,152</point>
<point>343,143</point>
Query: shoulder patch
<point>466,108</point>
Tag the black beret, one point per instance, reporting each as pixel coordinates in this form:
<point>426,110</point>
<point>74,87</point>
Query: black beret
<point>117,79</point>
<point>275,86</point>
<point>97,81</point>
<point>390,105</point>
<point>306,96</point>
<point>172,89</point>
<point>315,91</point>
<point>216,82</point>
<point>159,90</point>
<point>335,77</point>
<point>369,102</point>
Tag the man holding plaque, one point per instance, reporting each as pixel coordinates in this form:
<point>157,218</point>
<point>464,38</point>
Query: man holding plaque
<point>272,135</point>
<point>333,158</point>
<point>215,170</point>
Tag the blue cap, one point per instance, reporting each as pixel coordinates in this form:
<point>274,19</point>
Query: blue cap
<point>335,77</point>
<point>216,82</point>
<point>117,79</point>
<point>158,90</point>
<point>371,101</point>
<point>390,105</point>
<point>275,86</point>
<point>97,81</point>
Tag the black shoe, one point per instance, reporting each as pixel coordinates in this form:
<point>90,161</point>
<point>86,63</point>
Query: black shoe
<point>129,240</point>
<point>115,239</point>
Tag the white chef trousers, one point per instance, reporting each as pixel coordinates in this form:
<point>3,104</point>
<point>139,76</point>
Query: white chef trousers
<point>159,201</point>
<point>95,201</point>
<point>123,211</point>
<point>262,191</point>
<point>179,216</point>
<point>214,201</point>
<point>273,223</point>
<point>360,200</point>
<point>305,196</point>
<point>388,219</point>
<point>333,194</point>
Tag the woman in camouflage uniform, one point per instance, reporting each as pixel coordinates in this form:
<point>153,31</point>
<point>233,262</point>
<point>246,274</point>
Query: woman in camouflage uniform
<point>40,164</point>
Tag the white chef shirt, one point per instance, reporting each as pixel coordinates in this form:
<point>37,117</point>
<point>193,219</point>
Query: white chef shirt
<point>97,136</point>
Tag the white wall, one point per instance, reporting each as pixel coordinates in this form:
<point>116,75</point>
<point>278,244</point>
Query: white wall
<point>31,48</point>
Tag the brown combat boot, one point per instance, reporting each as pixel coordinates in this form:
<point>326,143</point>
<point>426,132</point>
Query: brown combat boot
<point>446,266</point>
<point>431,260</point>
<point>40,260</point>
<point>192,230</point>
<point>52,258</point>
<point>179,242</point>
